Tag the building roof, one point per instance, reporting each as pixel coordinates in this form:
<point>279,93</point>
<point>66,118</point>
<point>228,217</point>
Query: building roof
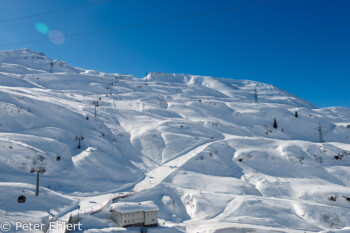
<point>130,207</point>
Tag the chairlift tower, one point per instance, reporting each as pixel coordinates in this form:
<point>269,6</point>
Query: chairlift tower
<point>40,170</point>
<point>255,96</point>
<point>109,87</point>
<point>95,102</point>
<point>320,133</point>
<point>146,75</point>
<point>79,138</point>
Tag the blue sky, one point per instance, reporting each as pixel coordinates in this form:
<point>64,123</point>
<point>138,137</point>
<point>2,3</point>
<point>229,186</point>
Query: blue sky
<point>301,46</point>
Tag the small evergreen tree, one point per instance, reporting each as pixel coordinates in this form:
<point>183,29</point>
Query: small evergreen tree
<point>275,125</point>
<point>296,114</point>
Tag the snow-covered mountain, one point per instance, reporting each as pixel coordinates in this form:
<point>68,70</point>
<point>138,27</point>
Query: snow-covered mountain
<point>204,149</point>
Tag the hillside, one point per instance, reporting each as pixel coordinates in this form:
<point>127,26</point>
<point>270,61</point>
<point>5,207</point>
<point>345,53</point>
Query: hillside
<point>203,148</point>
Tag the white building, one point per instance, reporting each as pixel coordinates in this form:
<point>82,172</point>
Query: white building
<point>128,214</point>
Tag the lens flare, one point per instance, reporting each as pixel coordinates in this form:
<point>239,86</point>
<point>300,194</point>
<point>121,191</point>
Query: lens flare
<point>56,37</point>
<point>42,28</point>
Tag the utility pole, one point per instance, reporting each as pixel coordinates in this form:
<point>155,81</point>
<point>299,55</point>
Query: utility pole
<point>79,138</point>
<point>95,102</point>
<point>320,133</point>
<point>38,171</point>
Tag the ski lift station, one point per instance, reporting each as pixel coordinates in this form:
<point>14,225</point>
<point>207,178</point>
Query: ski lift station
<point>130,214</point>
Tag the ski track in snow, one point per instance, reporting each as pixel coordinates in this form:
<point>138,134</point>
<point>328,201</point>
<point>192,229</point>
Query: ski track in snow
<point>157,175</point>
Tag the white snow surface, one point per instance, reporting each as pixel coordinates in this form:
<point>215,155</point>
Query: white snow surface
<point>201,148</point>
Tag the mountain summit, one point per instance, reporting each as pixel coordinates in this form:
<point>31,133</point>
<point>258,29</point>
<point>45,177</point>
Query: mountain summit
<point>26,61</point>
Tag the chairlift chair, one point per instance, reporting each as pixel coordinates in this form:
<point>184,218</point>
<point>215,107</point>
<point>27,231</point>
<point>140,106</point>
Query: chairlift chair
<point>21,198</point>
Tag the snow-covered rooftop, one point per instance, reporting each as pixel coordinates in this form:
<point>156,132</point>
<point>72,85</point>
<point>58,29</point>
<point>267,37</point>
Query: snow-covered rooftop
<point>130,207</point>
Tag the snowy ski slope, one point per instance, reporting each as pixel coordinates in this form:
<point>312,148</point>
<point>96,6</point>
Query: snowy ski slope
<point>204,149</point>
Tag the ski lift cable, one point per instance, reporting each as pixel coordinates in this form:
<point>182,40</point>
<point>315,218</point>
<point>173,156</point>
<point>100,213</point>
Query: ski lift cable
<point>165,20</point>
<point>53,11</point>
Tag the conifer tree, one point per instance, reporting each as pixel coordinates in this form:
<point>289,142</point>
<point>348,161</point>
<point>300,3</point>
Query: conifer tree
<point>275,125</point>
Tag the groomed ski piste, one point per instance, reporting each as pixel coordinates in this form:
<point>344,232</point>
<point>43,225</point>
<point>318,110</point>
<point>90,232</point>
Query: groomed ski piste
<point>204,149</point>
